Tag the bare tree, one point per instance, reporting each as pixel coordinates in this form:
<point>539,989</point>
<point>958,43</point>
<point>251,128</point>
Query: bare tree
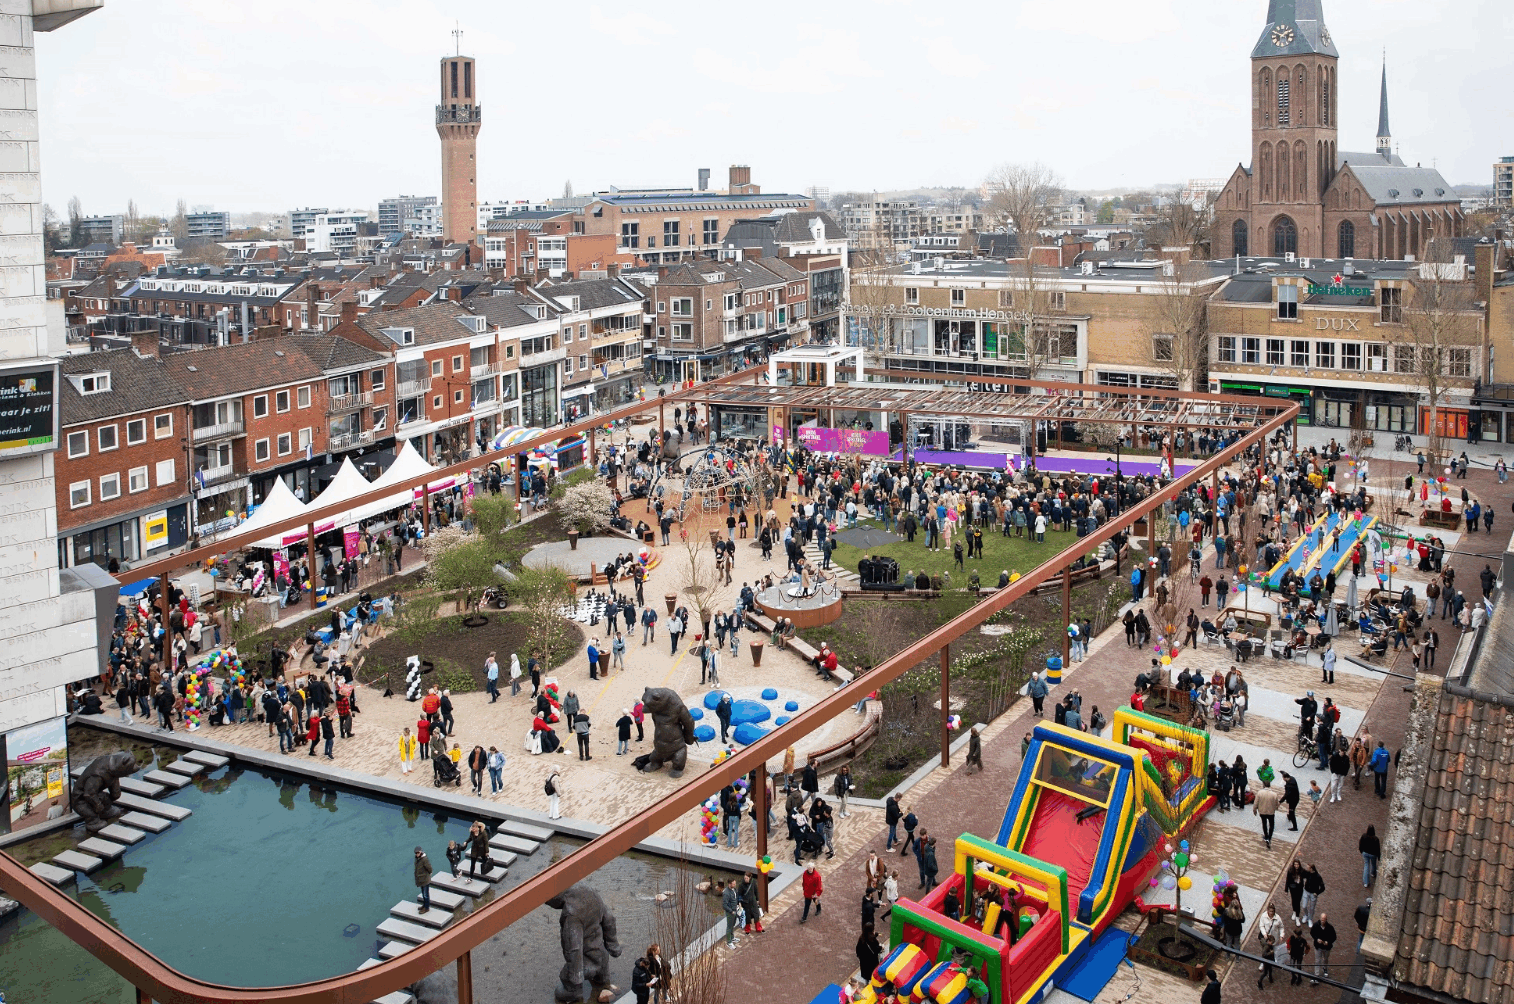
<point>1435,335</point>
<point>180,223</point>
<point>873,299</point>
<point>700,578</point>
<point>131,223</point>
<point>49,228</point>
<point>1023,198</point>
<point>681,926</point>
<point>75,221</point>
<point>1179,327</point>
<point>1181,224</point>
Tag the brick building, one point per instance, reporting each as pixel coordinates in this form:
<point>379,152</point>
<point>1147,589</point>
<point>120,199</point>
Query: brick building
<point>719,316</point>
<point>458,118</point>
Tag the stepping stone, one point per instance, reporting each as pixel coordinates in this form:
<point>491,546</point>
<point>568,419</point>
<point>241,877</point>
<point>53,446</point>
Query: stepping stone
<point>393,949</point>
<point>405,931</point>
<point>121,834</point>
<point>78,862</point>
<point>142,821</point>
<point>446,900</point>
<point>519,845</point>
<point>476,887</point>
<point>411,911</point>
<point>103,848</point>
<point>166,779</point>
<point>528,830</point>
<point>211,760</point>
<point>369,964</point>
<point>187,768</point>
<point>398,997</point>
<point>52,873</point>
<point>134,786</point>
<point>167,810</point>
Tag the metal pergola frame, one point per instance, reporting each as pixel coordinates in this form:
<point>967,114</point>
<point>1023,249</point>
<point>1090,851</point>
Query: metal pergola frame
<point>156,981</point>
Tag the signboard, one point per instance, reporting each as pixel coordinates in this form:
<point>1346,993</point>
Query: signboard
<point>1338,287</point>
<point>155,530</point>
<point>28,410</point>
<point>36,774</point>
<point>350,541</point>
<point>959,313</point>
<point>823,440</point>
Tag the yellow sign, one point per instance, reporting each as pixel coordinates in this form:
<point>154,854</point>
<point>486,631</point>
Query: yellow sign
<point>155,529</point>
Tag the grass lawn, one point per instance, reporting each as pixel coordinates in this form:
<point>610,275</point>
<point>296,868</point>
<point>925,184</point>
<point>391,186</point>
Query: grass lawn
<point>1000,553</point>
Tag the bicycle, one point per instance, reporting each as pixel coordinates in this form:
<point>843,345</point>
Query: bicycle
<point>1308,751</point>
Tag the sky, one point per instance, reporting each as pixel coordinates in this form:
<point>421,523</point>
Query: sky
<point>274,105</point>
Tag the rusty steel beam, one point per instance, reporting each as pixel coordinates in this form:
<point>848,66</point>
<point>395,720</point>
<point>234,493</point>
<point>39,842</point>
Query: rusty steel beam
<point>168,986</point>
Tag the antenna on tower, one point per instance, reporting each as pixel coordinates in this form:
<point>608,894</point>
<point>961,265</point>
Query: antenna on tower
<point>457,37</point>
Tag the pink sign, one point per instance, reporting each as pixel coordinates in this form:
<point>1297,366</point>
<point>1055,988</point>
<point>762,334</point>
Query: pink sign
<point>349,541</point>
<point>280,564</point>
<point>844,441</point>
<point>778,434</point>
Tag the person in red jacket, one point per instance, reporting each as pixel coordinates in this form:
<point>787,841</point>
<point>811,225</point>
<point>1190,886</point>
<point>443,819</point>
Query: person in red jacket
<point>314,732</point>
<point>813,887</point>
<point>423,732</point>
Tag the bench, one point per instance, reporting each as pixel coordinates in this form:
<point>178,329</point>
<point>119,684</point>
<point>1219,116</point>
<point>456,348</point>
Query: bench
<point>802,648</point>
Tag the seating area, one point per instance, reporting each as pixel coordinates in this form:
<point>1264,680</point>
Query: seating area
<point>803,648</point>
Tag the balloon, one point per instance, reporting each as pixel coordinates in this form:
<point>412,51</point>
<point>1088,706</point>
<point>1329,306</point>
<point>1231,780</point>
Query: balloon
<point>1168,848</point>
<point>767,859</point>
<point>1183,845</point>
<point>1185,883</point>
<point>1169,883</point>
<point>1167,660</point>
<point>1221,876</point>
<point>1155,882</point>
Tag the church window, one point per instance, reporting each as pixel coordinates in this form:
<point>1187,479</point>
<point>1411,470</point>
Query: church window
<point>1324,97</point>
<point>1266,92</point>
<point>1301,169</point>
<point>1347,240</point>
<point>1282,101</point>
<point>1284,240</point>
<point>1283,191</point>
<point>1238,237</point>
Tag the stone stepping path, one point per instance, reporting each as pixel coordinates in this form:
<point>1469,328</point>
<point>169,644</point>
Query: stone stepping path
<point>77,862</point>
<point>530,831</point>
<point>411,911</point>
<point>134,786</point>
<point>210,760</point>
<point>102,848</point>
<point>167,810</point>
<point>393,949</point>
<point>187,768</point>
<point>369,964</point>
<point>398,997</point>
<point>401,930</point>
<point>167,780</point>
<point>51,873</point>
<point>448,901</point>
<point>475,887</point>
<point>142,821</point>
<point>518,845</point>
<point>122,834</point>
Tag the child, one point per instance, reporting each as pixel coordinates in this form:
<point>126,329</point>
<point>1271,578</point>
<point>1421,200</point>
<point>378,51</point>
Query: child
<point>1315,792</point>
<point>891,890</point>
<point>454,856</point>
<point>455,754</point>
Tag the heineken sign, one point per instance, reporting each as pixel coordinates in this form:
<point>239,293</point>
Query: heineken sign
<point>1338,287</point>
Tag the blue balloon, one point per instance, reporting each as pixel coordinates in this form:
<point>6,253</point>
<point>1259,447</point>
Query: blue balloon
<point>704,734</point>
<point>749,711</point>
<point>748,733</point>
<point>713,698</point>
<point>770,694</point>
<point>791,706</point>
<point>696,713</point>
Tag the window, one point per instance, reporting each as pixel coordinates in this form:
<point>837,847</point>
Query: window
<point>670,233</point>
<point>1287,302</point>
<point>1377,357</point>
<point>107,437</point>
<point>260,406</point>
<point>1351,355</point>
<point>1227,349</point>
<point>78,444</point>
<point>457,397</point>
<point>662,307</point>
<point>683,332</point>
<point>1324,355</point>
<point>1282,100</point>
<point>709,304</point>
<point>110,487</point>
<point>567,366</point>
<point>162,426</point>
<point>136,431</point>
<point>1059,300</point>
<point>911,294</point>
<point>1298,353</point>
<point>1458,362</point>
<point>583,331</point>
<point>1238,238</point>
<point>629,235</point>
<point>712,231</point>
<point>1403,358</point>
<point>1346,239</point>
<point>1006,298</point>
<point>260,450</point>
<point>375,381</point>
<point>136,479</point>
<point>1251,351</point>
<point>281,401</point>
<point>1392,300</point>
<point>683,306</point>
<point>567,334</point>
<point>164,473</point>
<point>457,364</point>
<point>1275,354</point>
<point>285,444</point>
<point>95,383</point>
<point>380,421</point>
<point>1284,237</point>
<point>959,297</point>
<point>583,364</point>
<point>78,494</point>
<point>436,367</point>
<point>1161,348</point>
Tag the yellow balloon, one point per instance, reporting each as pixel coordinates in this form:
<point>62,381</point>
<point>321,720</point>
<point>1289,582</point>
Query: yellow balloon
<point>1185,883</point>
<point>1167,660</point>
<point>1015,577</point>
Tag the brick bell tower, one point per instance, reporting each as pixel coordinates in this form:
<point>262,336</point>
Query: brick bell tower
<point>458,117</point>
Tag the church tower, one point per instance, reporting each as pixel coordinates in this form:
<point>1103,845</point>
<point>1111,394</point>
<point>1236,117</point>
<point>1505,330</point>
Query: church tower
<point>1384,134</point>
<point>1293,129</point>
<point>458,117</point>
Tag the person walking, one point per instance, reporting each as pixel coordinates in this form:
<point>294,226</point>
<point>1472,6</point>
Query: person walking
<point>675,628</point>
<point>1371,848</point>
<point>928,864</point>
<point>1314,888</point>
<point>328,735</point>
<point>723,715</point>
<point>618,652</point>
<point>1290,799</point>
<point>1265,807</point>
<point>869,951</point>
<point>581,730</point>
<point>1037,690</point>
<point>1380,760</point>
<point>478,762</point>
<point>1323,934</point>
<point>1212,989</point>
<point>553,788</point>
<point>1340,766</point>
<point>423,878</point>
<point>974,751</point>
<point>730,903</point>
<point>623,732</point>
<point>491,678</point>
<point>496,764</point>
<point>1298,947</point>
<point>843,788</point>
<point>1269,931</point>
<point>313,731</point>
<point>910,822</point>
<point>478,850</point>
<point>812,886</point>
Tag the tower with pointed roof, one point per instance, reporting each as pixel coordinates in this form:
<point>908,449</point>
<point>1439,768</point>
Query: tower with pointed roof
<point>1384,134</point>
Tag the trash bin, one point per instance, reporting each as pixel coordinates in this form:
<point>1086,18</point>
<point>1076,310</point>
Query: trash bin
<point>1053,670</point>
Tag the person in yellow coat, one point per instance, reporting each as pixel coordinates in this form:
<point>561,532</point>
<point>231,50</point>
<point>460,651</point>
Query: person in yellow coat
<point>407,751</point>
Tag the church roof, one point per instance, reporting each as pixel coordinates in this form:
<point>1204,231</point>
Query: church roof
<point>1397,185</point>
<point>1382,110</point>
<point>1294,28</point>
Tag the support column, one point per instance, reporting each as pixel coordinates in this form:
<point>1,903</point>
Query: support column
<point>310,566</point>
<point>1151,533</point>
<point>426,508</point>
<point>946,695</point>
<point>465,978</point>
<point>142,997</point>
<point>593,454</point>
<point>1066,615</point>
<point>167,652</point>
<point>759,784</point>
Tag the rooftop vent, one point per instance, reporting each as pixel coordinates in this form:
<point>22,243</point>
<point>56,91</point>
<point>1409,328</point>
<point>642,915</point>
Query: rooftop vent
<point>1393,193</point>
<point>1418,192</point>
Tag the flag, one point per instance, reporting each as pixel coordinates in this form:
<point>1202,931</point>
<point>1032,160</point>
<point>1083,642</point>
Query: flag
<point>200,478</point>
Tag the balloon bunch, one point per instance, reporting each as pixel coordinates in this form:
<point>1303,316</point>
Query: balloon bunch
<point>724,755</point>
<point>709,820</point>
<point>954,721</point>
<point>643,555</point>
<point>1222,884</point>
<point>555,715</point>
<point>196,696</point>
<point>765,863</point>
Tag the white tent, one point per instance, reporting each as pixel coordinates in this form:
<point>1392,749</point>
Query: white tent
<point>277,507</point>
<point>408,465</point>
<point>348,484</point>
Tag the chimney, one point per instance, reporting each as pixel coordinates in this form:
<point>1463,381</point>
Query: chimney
<point>741,181</point>
<point>349,311</point>
<point>1484,260</point>
<point>662,271</point>
<point>704,179</point>
<point>145,344</point>
<point>521,283</point>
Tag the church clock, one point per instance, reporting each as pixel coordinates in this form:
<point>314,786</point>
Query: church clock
<point>1282,36</point>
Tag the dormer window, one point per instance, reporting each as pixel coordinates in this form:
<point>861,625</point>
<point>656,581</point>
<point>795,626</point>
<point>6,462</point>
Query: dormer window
<point>474,323</point>
<point>91,383</point>
<point>400,336</point>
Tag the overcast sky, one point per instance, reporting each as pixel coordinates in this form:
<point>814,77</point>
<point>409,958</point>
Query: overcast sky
<point>277,104</point>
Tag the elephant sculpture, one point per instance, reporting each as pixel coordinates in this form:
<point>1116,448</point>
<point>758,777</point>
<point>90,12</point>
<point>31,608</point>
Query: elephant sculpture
<point>588,942</point>
<point>98,786</point>
<point>672,730</point>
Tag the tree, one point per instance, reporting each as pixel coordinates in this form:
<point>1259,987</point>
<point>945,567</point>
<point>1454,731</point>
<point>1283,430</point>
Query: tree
<point>462,562</point>
<point>75,221</point>
<point>1435,335</point>
<point>873,298</point>
<point>544,594</point>
<point>567,189</point>
<point>1179,224</point>
<point>700,579</point>
<point>131,223</point>
<point>1023,198</point>
<point>587,505</point>
<point>678,928</point>
<point>180,223</point>
<point>1179,327</point>
<point>49,229</point>
<point>1105,214</point>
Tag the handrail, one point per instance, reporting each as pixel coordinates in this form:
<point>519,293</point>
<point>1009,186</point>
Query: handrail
<point>162,983</point>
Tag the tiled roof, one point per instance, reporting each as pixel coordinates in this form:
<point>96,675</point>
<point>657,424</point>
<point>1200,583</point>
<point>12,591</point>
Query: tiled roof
<point>235,369</point>
<point>591,293</point>
<point>137,384</point>
<point>505,308</point>
<point>1457,935</point>
<point>433,323</point>
<point>332,352</point>
<point>795,227</point>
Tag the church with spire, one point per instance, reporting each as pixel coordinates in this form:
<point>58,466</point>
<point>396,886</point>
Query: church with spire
<point>1303,196</point>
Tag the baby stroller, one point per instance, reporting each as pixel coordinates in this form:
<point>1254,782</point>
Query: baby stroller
<point>807,841</point>
<point>1224,717</point>
<point>444,771</point>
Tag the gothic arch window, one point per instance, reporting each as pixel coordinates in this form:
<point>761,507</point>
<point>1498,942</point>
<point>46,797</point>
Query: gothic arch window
<point>1284,237</point>
<point>1238,237</point>
<point>1300,95</point>
<point>1324,96</point>
<point>1264,172</point>
<point>1301,170</point>
<point>1282,98</point>
<point>1266,94</point>
<point>1346,239</point>
<point>1283,156</point>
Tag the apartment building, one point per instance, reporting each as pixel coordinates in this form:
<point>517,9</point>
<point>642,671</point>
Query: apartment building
<point>510,242</point>
<point>209,226</point>
<point>812,242</point>
<point>336,232</point>
<point>1503,182</point>
<point>393,213</point>
<point>198,306</point>
<point>302,221</point>
<point>530,351</point>
<point>883,225</point>
<point>601,331</point>
<point>713,318</point>
<point>953,220</point>
<point>101,230</point>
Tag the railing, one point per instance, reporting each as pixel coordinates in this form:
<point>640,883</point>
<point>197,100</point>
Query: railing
<point>218,431</point>
<point>413,388</point>
<point>347,440</point>
<point>351,402</point>
<point>486,369</point>
<point>213,474</point>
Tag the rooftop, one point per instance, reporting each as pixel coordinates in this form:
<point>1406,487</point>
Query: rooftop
<point>137,384</point>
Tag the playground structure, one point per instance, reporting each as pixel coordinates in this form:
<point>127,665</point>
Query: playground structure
<point>1082,836</point>
<point>711,474</point>
<point>1315,550</point>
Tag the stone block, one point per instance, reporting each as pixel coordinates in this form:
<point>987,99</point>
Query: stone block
<point>142,821</point>
<point>122,834</point>
<point>210,760</point>
<point>153,808</point>
<point>103,848</point>
<point>411,911</point>
<point>77,861</point>
<point>401,930</point>
<point>52,873</point>
<point>528,830</point>
<point>519,845</point>
<point>166,779</point>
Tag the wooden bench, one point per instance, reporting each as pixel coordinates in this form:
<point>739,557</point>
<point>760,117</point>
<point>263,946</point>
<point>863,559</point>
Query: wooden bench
<point>802,648</point>
<point>1441,520</point>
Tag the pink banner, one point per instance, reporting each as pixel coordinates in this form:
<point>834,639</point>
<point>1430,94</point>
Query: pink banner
<point>280,565</point>
<point>349,541</point>
<point>822,440</point>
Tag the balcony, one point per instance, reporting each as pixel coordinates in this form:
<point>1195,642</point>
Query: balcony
<point>413,388</point>
<point>213,475</point>
<point>349,440</point>
<point>351,402</point>
<point>221,430</point>
<point>485,370</point>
